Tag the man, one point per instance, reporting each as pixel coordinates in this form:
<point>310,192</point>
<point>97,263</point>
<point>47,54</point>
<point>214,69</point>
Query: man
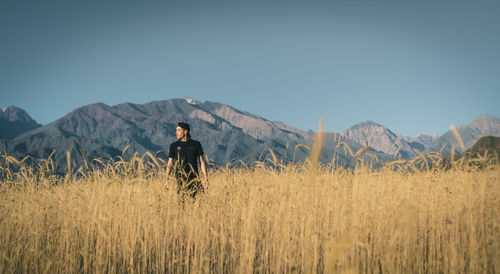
<point>186,152</point>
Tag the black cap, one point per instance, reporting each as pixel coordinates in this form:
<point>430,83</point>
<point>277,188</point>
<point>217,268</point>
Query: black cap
<point>184,126</point>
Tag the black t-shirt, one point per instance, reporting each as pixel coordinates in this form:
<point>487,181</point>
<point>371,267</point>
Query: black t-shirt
<point>185,155</point>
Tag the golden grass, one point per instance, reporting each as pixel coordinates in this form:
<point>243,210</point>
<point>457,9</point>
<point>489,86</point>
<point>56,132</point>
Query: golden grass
<point>301,218</point>
<point>458,137</point>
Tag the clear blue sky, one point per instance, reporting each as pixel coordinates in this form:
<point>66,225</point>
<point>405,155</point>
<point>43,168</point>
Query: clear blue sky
<point>413,66</point>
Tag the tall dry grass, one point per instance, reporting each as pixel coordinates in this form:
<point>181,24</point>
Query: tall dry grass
<point>302,218</point>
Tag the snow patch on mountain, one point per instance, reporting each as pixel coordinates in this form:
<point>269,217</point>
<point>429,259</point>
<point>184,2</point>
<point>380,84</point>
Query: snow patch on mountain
<point>191,101</point>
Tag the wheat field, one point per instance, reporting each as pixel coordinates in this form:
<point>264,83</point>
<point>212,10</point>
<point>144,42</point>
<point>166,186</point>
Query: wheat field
<point>269,218</point>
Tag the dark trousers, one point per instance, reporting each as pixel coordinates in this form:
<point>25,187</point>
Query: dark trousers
<point>190,186</point>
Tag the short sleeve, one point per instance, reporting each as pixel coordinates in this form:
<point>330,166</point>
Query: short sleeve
<point>172,152</point>
<point>200,149</point>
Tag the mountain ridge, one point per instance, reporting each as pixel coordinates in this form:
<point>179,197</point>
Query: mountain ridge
<point>379,138</point>
<point>227,134</point>
<point>469,133</point>
<point>151,127</point>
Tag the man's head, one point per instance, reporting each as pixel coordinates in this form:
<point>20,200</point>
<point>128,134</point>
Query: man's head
<point>182,131</point>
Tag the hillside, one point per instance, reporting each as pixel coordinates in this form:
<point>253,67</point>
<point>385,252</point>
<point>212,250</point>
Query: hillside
<point>228,135</point>
<point>470,134</point>
<point>15,121</point>
<point>487,145</point>
<point>383,139</point>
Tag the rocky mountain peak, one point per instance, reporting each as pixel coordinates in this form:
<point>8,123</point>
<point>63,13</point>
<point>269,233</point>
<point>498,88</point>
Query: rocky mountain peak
<point>15,114</point>
<point>192,101</point>
<point>379,138</point>
<point>470,133</point>
<point>376,136</point>
<point>253,125</point>
<point>486,124</point>
<point>366,124</point>
<point>15,121</point>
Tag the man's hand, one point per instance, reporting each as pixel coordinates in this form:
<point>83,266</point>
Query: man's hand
<point>206,184</point>
<point>169,168</point>
<point>205,173</point>
<point>167,187</point>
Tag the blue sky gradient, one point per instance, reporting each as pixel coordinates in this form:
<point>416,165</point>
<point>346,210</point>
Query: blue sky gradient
<point>413,66</point>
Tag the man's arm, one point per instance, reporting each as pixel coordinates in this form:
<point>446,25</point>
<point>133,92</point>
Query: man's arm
<point>205,173</point>
<point>169,169</point>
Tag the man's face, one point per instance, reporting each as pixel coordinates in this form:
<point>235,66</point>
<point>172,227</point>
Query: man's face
<point>180,132</point>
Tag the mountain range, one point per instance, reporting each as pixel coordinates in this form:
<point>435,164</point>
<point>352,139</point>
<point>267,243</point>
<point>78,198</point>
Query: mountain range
<point>228,135</point>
